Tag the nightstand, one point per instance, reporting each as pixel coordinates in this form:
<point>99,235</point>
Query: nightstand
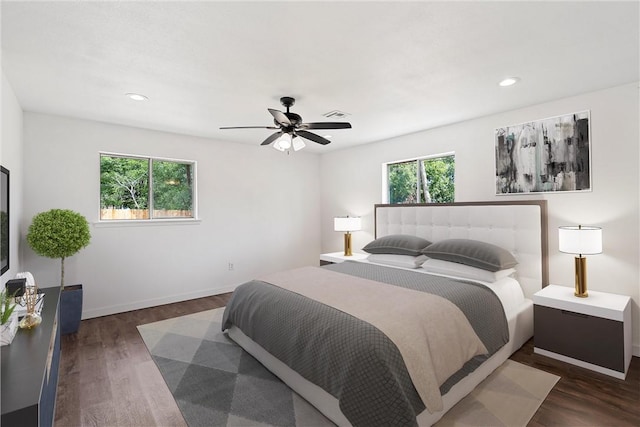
<point>592,332</point>
<point>338,257</point>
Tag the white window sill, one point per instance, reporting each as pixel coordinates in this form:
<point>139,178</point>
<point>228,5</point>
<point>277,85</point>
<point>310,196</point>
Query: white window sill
<point>145,222</point>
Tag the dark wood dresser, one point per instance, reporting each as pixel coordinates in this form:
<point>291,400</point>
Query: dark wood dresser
<point>30,369</point>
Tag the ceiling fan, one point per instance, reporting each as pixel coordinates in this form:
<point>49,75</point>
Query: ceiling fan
<point>291,129</point>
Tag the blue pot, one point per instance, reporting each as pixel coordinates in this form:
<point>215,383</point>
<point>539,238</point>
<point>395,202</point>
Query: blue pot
<point>70,309</point>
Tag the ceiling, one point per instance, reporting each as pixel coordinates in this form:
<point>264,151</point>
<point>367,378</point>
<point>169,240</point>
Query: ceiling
<point>394,67</point>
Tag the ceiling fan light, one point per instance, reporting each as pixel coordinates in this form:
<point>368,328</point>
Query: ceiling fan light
<point>284,142</point>
<point>298,144</point>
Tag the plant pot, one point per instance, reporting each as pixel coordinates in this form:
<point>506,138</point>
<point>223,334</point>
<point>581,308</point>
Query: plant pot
<point>9,329</point>
<point>70,309</point>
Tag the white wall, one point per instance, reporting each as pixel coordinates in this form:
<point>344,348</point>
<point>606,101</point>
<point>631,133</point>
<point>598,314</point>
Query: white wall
<point>11,158</point>
<point>259,209</point>
<point>352,184</point>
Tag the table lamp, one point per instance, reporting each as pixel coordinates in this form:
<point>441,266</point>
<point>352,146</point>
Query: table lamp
<point>347,224</point>
<point>580,241</point>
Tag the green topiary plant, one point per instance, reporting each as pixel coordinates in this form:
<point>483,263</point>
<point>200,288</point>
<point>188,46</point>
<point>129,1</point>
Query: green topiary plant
<point>58,233</point>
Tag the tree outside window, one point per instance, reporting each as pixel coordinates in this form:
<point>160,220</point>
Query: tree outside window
<point>172,189</point>
<point>134,188</point>
<point>424,180</point>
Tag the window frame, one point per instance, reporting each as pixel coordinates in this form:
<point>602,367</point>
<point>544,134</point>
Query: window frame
<point>151,220</point>
<point>385,173</point>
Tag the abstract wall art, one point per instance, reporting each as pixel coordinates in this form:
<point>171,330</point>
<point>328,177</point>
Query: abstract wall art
<point>549,155</point>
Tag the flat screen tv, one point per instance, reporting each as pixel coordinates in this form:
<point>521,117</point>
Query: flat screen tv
<point>4,220</point>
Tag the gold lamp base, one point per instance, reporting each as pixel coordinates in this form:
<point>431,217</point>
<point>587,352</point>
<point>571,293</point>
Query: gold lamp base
<point>581,277</point>
<point>347,244</point>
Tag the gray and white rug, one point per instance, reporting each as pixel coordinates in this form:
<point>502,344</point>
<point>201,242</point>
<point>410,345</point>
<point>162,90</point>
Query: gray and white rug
<point>216,383</point>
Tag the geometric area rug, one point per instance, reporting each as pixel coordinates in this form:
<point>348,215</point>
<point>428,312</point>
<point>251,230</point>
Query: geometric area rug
<point>217,383</point>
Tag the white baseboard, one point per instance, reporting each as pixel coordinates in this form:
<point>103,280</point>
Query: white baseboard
<point>153,302</point>
<point>635,350</point>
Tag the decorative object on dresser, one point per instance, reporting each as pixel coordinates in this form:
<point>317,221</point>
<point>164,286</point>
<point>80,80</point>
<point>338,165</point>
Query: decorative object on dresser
<point>18,287</point>
<point>29,376</point>
<point>594,332</point>
<point>15,286</point>
<point>61,233</point>
<point>32,318</point>
<point>580,241</point>
<point>347,224</point>
<point>8,317</point>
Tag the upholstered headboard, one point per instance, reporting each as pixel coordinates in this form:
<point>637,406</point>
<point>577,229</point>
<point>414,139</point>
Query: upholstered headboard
<point>520,227</point>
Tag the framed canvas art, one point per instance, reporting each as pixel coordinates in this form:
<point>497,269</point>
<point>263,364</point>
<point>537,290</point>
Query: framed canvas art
<point>548,155</point>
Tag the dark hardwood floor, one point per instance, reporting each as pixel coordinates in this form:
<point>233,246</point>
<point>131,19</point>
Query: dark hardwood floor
<point>107,378</point>
<point>582,397</point>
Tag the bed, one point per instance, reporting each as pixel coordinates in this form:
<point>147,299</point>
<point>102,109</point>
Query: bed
<point>410,376</point>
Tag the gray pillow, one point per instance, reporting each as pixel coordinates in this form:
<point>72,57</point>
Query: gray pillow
<point>399,244</point>
<point>471,252</point>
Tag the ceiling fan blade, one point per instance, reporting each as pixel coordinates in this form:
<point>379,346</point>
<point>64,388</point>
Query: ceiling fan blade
<point>249,127</point>
<point>272,138</point>
<point>326,125</point>
<point>280,117</point>
<point>312,137</point>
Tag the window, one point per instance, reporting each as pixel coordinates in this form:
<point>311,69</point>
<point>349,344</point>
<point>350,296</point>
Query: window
<point>146,188</point>
<point>423,180</point>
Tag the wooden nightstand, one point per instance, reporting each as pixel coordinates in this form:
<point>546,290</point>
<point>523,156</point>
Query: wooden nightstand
<point>337,257</point>
<point>592,332</point>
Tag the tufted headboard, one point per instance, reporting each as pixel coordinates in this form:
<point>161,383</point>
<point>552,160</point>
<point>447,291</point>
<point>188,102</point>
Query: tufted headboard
<point>519,226</point>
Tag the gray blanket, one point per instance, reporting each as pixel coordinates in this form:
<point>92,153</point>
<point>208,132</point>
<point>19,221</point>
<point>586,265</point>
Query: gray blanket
<point>349,358</point>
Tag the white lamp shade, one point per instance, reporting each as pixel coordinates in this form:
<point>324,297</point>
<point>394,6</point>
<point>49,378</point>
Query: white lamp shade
<point>283,143</point>
<point>347,223</point>
<point>580,240</point>
<point>277,146</point>
<point>298,144</point>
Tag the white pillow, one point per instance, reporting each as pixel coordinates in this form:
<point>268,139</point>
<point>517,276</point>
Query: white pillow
<point>405,261</point>
<point>465,271</point>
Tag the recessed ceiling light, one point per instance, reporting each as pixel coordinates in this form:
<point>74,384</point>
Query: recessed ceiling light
<point>509,81</point>
<point>136,96</point>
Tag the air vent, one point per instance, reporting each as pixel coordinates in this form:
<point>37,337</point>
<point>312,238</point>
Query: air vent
<point>336,114</point>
